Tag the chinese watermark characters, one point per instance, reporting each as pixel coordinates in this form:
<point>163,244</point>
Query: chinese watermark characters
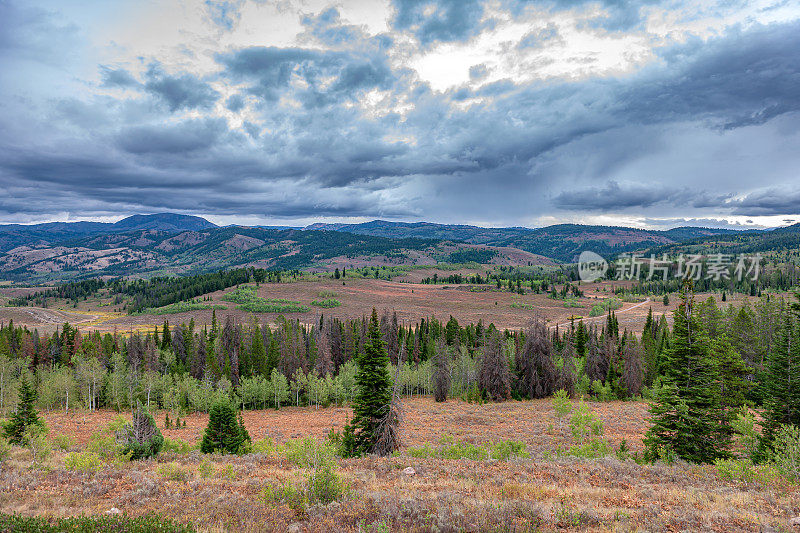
<point>716,267</point>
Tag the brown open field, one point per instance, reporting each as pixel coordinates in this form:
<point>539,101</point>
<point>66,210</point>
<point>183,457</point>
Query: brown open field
<point>540,493</point>
<point>532,422</point>
<point>410,300</point>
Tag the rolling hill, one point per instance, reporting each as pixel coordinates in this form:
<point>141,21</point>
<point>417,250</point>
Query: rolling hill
<point>744,242</point>
<point>168,243</point>
<point>563,242</point>
<point>156,252</point>
<point>53,233</point>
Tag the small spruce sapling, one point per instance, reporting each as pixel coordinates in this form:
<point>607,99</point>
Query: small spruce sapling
<point>25,415</point>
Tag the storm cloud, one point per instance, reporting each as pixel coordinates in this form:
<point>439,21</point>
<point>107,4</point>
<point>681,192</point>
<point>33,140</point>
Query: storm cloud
<point>341,120</point>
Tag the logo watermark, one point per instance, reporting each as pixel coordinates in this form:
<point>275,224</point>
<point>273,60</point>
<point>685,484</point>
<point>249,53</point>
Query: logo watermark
<point>591,266</point>
<point>717,267</point>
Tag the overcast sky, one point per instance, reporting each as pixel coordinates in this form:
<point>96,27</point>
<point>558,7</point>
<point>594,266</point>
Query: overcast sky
<point>509,112</point>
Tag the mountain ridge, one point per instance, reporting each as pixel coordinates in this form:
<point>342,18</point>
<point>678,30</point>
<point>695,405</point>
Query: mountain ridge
<point>178,244</point>
<point>49,233</point>
<point>563,242</point>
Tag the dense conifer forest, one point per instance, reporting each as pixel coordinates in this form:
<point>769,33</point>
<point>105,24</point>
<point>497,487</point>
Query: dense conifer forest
<point>743,356</point>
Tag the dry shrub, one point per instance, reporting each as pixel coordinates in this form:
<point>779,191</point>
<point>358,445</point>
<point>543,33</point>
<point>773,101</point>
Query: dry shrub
<point>173,472</point>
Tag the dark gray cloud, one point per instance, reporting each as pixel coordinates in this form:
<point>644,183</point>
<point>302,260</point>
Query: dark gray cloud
<point>613,197</point>
<point>118,77</point>
<point>180,92</point>
<point>439,20</point>
<point>773,201</point>
<point>269,71</point>
<point>667,140</point>
<point>186,136</point>
<point>745,78</point>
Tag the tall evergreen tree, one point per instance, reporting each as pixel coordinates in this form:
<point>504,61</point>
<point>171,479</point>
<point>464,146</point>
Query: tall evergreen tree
<point>25,415</point>
<point>224,432</point>
<point>688,414</point>
<point>452,331</point>
<point>441,371</point>
<point>373,396</point>
<point>273,357</point>
<point>580,340</point>
<point>166,337</point>
<point>782,380</point>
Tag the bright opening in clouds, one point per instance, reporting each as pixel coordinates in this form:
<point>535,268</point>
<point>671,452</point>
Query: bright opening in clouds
<point>507,112</point>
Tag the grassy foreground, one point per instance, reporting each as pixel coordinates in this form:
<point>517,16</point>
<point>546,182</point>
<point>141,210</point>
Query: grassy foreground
<point>468,474</point>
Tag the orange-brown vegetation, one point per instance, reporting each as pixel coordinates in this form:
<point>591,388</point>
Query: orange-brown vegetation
<point>540,493</point>
<point>411,299</point>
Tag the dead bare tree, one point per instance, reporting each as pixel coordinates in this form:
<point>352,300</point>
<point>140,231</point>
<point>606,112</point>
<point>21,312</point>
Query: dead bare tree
<point>535,362</point>
<point>388,431</point>
<point>494,377</point>
<point>633,371</point>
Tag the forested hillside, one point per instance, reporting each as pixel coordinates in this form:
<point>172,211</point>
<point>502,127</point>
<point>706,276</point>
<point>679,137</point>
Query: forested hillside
<point>602,361</point>
<point>563,242</point>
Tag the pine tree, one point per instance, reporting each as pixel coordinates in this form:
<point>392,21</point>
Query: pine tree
<point>166,337</point>
<point>689,418</point>
<point>373,396</point>
<point>452,331</point>
<point>273,357</point>
<point>581,337</point>
<point>782,380</point>
<point>224,433</point>
<point>648,324</point>
<point>441,371</point>
<point>25,416</point>
<point>734,373</point>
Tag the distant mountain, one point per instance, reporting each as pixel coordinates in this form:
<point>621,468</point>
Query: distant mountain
<point>426,230</point>
<point>563,242</point>
<point>794,228</point>
<point>163,222</point>
<point>170,243</point>
<point>686,233</point>
<point>52,233</point>
<point>147,252</point>
<point>739,242</point>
